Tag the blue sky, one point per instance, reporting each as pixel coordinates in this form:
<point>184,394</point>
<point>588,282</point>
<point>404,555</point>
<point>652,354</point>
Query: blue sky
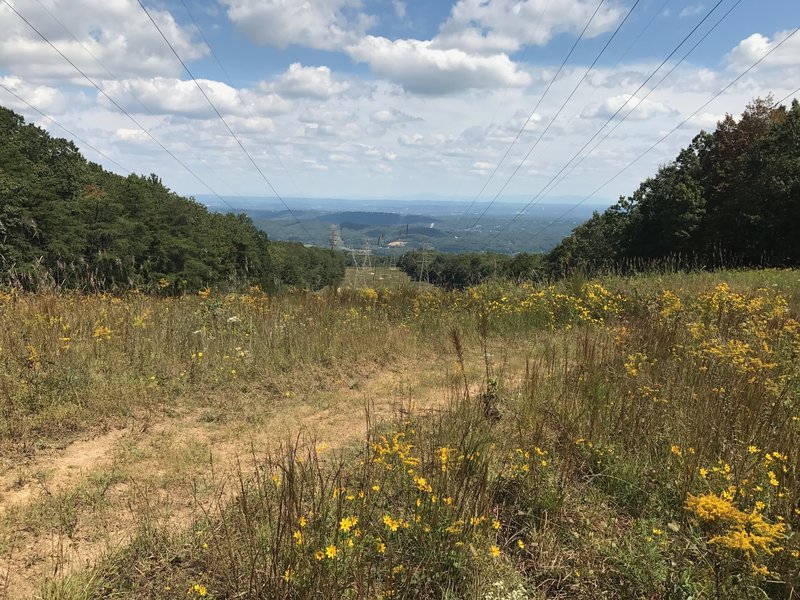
<point>384,98</point>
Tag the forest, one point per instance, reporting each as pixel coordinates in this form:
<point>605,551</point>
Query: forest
<point>67,222</point>
<point>729,199</point>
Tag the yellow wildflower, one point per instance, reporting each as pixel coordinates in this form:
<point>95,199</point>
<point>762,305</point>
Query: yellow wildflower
<point>347,523</point>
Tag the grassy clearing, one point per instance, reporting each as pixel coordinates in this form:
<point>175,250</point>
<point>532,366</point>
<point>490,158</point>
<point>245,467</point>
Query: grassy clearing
<point>647,448</point>
<point>380,276</point>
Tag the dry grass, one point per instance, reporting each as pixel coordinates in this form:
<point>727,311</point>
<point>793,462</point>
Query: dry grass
<point>620,439</point>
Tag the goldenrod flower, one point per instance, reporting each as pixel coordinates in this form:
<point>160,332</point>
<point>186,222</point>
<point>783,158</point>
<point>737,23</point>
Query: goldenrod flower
<point>760,571</point>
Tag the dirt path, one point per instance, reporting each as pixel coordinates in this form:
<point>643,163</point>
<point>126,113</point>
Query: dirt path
<point>63,509</point>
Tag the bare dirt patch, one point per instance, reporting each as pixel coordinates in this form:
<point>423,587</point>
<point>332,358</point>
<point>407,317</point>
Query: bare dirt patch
<point>63,509</point>
<point>55,469</point>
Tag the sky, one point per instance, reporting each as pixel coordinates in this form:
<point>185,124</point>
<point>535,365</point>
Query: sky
<point>391,98</point>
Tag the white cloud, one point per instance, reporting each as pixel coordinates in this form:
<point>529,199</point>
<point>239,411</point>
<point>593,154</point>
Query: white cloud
<point>307,82</point>
<point>705,120</point>
<point>116,32</point>
<point>175,96</point>
<point>325,114</point>
<point>391,116</point>
<point>691,10</point>
<point>640,110</point>
<point>313,165</point>
<point>322,24</point>
<point>48,99</point>
<point>753,47</point>
<point>399,9</point>
<point>127,134</point>
<point>507,25</point>
<point>420,68</point>
<point>411,139</point>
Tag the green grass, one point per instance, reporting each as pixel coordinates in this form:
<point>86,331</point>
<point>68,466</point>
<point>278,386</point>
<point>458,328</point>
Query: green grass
<point>379,276</point>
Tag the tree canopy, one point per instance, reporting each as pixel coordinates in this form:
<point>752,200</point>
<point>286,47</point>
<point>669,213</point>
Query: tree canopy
<point>68,221</point>
<point>458,271</point>
<point>731,198</point>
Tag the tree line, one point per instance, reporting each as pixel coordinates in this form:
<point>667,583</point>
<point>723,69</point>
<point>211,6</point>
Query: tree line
<point>730,198</point>
<point>67,221</point>
<point>458,271</point>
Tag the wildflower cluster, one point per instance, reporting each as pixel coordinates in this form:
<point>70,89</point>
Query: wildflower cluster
<point>746,534</point>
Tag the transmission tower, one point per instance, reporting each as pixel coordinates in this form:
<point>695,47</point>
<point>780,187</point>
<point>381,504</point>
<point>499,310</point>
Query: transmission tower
<point>362,260</point>
<point>336,238</point>
<point>425,265</point>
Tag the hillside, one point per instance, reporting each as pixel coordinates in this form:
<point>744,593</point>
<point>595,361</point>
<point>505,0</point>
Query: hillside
<point>447,226</point>
<point>65,221</point>
<point>731,198</point>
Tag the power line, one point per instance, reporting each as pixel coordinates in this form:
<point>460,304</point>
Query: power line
<point>57,124</point>
<point>652,89</point>
<point>503,97</point>
<point>229,79</point>
<point>131,91</point>
<point>90,53</point>
<point>673,130</point>
<point>224,122</point>
<point>629,48</point>
<point>535,108</point>
<point>786,97</point>
<point>553,120</point>
<point>117,105</point>
<point>540,193</point>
